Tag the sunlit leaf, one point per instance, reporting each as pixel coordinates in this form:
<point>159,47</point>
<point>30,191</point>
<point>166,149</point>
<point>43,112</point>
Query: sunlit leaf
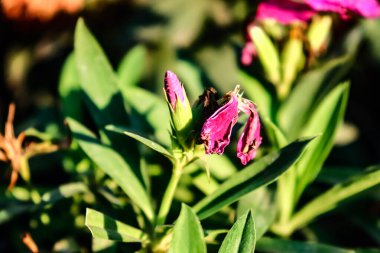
<point>267,53</point>
<point>104,227</point>
<point>242,236</point>
<point>261,204</point>
<point>326,120</point>
<point>151,144</point>
<point>335,196</point>
<point>132,66</point>
<point>259,173</point>
<point>187,234</point>
<point>112,164</point>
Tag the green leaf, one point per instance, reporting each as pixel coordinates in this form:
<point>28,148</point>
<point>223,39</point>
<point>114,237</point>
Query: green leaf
<point>190,75</point>
<point>98,80</point>
<point>132,66</point>
<point>276,136</point>
<point>48,198</point>
<point>293,61</point>
<point>113,165</point>
<point>291,116</point>
<point>64,191</point>
<point>271,245</point>
<point>259,94</point>
<point>258,174</point>
<point>326,120</point>
<point>187,234</point>
<point>151,144</point>
<point>268,54</point>
<point>149,113</point>
<point>69,89</point>
<point>311,88</point>
<point>242,236</point>
<point>104,227</point>
<point>335,196</point>
<point>261,204</point>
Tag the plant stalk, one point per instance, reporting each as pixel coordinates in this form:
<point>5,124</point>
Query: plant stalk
<point>169,195</point>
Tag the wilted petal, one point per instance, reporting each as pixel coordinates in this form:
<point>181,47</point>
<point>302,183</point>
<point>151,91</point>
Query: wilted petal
<point>284,11</point>
<point>173,89</point>
<point>216,131</point>
<point>250,139</point>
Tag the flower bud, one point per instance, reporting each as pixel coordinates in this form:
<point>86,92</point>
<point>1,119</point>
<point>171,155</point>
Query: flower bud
<point>179,105</point>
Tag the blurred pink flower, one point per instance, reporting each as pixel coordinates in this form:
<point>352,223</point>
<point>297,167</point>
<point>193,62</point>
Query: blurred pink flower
<point>216,131</point>
<point>250,139</point>
<point>284,11</point>
<point>248,53</point>
<point>364,8</point>
<point>173,89</point>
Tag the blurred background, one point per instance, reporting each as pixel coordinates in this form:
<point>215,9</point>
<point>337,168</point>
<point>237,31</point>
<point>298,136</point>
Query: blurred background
<point>36,36</point>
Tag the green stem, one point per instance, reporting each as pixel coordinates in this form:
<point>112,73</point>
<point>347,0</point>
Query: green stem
<point>169,194</point>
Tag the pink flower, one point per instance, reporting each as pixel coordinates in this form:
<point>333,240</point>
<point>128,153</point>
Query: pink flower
<point>284,11</point>
<point>250,139</point>
<point>364,8</point>
<point>173,89</point>
<point>248,53</point>
<point>216,131</point>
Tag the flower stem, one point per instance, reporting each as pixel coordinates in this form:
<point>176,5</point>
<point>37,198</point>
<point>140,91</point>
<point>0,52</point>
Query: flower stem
<point>169,194</point>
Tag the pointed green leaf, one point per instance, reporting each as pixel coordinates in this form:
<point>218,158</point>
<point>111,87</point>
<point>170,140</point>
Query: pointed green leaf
<point>326,120</point>
<point>242,236</point>
<point>98,80</point>
<point>268,54</point>
<point>148,111</point>
<point>132,66</point>
<point>104,227</point>
<point>113,165</point>
<point>258,174</point>
<point>151,144</point>
<point>261,204</point>
<point>335,196</point>
<point>70,90</point>
<point>276,136</point>
<point>187,234</point>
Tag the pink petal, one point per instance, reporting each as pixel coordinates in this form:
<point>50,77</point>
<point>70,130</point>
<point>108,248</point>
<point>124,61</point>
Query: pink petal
<point>173,88</point>
<point>364,8</point>
<point>250,139</point>
<point>284,11</point>
<point>216,131</point>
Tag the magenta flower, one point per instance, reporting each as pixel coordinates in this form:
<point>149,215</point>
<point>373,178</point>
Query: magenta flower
<point>173,89</point>
<point>216,131</point>
<point>284,11</point>
<point>364,8</point>
<point>250,139</point>
<point>248,53</point>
